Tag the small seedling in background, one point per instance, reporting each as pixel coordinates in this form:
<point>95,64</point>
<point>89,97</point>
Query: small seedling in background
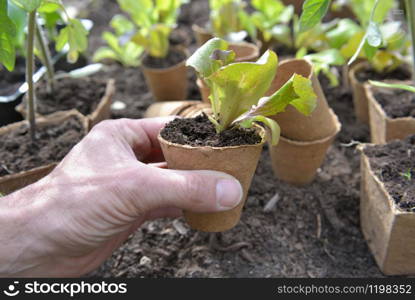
<point>155,21</point>
<point>407,174</point>
<point>228,20</point>
<point>120,47</point>
<point>237,89</point>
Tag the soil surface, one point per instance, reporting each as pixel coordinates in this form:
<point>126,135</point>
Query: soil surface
<point>84,94</point>
<point>309,232</point>
<point>18,152</point>
<point>394,165</point>
<point>173,58</point>
<point>401,73</point>
<point>199,131</point>
<point>396,103</point>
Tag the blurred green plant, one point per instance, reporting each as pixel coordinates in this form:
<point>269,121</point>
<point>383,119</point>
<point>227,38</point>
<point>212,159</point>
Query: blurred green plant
<point>155,20</point>
<point>120,47</point>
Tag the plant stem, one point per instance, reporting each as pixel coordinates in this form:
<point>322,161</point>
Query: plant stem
<point>29,73</point>
<point>345,77</point>
<point>410,11</point>
<point>46,58</point>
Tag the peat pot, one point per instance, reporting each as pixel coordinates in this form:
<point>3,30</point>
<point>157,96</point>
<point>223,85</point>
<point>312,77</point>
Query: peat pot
<point>382,127</point>
<point>167,84</point>
<point>238,161</point>
<point>389,230</point>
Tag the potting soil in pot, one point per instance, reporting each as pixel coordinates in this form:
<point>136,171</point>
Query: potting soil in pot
<point>396,103</point>
<point>82,94</point>
<point>199,131</point>
<point>18,153</point>
<point>394,165</point>
<point>174,57</point>
<point>400,73</point>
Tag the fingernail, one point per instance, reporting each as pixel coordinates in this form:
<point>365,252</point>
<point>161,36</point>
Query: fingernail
<point>228,193</point>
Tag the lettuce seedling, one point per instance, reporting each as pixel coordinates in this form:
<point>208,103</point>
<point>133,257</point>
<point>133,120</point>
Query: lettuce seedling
<point>120,47</point>
<point>237,89</point>
<point>228,20</point>
<point>155,20</point>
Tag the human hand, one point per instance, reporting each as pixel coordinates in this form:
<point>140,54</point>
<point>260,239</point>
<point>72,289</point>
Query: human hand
<point>105,188</point>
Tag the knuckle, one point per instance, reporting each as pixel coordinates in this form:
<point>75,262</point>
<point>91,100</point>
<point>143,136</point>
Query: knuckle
<point>196,190</point>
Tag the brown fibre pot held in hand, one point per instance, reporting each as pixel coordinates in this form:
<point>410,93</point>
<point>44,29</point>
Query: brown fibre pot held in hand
<point>244,52</point>
<point>238,161</point>
<point>296,162</point>
<point>388,230</point>
<point>382,127</point>
<point>100,113</point>
<point>167,84</point>
<point>294,125</point>
<point>15,181</point>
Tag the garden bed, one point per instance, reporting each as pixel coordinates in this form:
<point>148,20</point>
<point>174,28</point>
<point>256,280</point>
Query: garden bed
<point>311,232</point>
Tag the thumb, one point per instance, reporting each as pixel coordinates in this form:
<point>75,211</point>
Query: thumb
<point>198,191</point>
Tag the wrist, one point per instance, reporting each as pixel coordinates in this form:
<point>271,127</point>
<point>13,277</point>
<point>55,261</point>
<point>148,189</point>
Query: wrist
<point>23,248</point>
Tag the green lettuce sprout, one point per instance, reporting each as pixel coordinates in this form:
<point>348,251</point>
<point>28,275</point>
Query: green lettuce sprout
<point>228,20</point>
<point>120,47</point>
<point>237,89</point>
<point>155,20</point>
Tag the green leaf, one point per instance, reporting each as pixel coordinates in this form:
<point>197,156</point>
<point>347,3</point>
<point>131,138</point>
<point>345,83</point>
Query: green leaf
<point>270,124</point>
<point>329,57</point>
<point>342,33</point>
<point>49,6</point>
<point>7,36</point>
<point>121,25</point>
<point>201,61</point>
<point>28,5</point>
<point>312,14</point>
<point>297,91</point>
<point>238,86</point>
<point>104,53</point>
<point>401,86</point>
<point>75,35</point>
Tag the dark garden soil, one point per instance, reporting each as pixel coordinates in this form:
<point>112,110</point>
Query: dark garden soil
<point>310,232</point>
<point>173,58</point>
<point>396,103</point>
<point>18,153</point>
<point>394,165</point>
<point>199,131</point>
<point>401,73</point>
<point>84,94</point>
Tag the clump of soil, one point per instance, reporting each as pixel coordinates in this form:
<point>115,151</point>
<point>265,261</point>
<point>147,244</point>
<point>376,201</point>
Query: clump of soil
<point>394,164</point>
<point>82,94</point>
<point>396,103</point>
<point>174,57</point>
<point>18,153</point>
<point>400,73</point>
<point>199,131</point>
